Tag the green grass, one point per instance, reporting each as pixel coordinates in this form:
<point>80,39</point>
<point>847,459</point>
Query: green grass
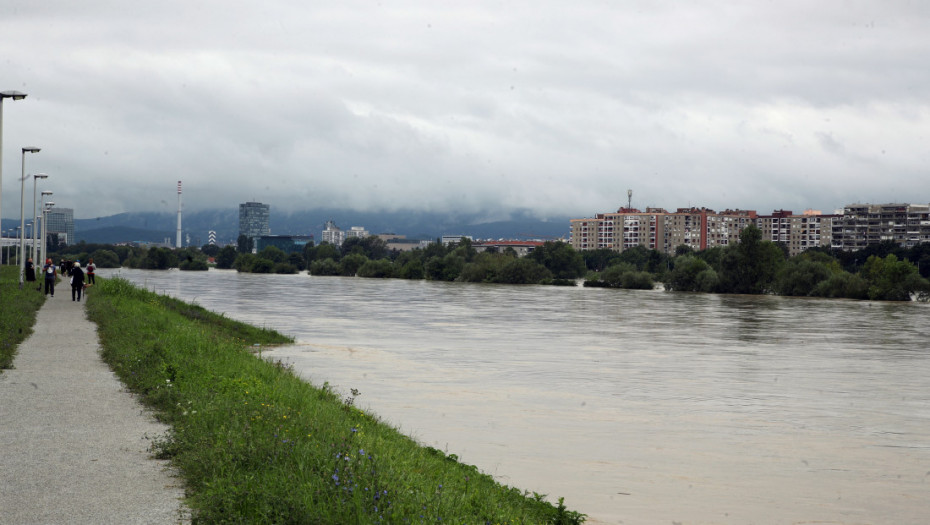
<point>18,309</point>
<point>256,444</point>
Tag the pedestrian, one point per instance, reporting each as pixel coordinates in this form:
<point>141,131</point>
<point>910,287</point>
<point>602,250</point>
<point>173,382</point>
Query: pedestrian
<point>90,271</point>
<point>30,270</point>
<point>77,281</point>
<point>49,271</point>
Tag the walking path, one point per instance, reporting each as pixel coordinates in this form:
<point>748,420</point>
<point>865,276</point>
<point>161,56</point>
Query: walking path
<point>74,444</point>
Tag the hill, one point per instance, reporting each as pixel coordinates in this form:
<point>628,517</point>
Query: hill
<point>156,226</point>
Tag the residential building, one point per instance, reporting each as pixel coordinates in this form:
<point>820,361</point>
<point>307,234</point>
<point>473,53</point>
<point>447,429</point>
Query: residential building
<point>61,222</point>
<point>333,234</point>
<point>865,224</point>
<point>254,220</point>
<point>658,229</point>
<point>357,231</point>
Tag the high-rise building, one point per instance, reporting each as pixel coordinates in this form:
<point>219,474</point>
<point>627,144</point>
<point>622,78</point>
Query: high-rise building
<point>333,234</point>
<point>61,222</point>
<point>865,224</point>
<point>254,220</point>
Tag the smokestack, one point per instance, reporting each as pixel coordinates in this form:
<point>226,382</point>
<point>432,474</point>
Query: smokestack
<point>178,243</point>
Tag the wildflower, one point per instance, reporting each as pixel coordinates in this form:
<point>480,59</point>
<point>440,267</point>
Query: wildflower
<point>354,430</point>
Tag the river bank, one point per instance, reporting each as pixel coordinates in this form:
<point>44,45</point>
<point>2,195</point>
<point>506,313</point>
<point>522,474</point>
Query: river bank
<point>256,443</point>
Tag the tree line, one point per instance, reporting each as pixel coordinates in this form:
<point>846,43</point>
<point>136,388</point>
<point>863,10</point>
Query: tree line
<point>753,266</point>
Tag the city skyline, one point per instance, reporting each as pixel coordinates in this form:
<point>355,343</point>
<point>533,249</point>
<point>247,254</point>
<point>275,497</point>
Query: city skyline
<point>485,108</point>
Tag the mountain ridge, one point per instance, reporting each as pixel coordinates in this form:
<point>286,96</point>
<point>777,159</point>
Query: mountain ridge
<point>159,226</point>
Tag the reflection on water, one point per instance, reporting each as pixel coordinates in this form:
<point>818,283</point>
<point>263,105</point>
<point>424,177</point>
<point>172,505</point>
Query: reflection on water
<point>637,406</point>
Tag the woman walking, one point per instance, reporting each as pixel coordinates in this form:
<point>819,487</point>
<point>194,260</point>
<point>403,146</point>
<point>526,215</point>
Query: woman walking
<point>90,271</point>
<point>77,281</point>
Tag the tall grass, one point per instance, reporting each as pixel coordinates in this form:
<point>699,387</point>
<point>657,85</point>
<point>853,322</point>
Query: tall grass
<point>256,444</point>
<point>18,309</point>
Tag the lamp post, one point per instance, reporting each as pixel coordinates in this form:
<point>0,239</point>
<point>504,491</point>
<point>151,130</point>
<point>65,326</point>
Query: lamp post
<point>46,208</point>
<point>35,178</point>
<point>41,256</point>
<point>22,215</point>
<point>15,95</point>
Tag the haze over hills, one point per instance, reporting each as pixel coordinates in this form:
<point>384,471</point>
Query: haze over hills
<point>158,226</point>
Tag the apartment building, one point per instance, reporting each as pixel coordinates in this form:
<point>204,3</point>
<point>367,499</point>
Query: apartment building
<point>658,229</point>
<point>865,224</point>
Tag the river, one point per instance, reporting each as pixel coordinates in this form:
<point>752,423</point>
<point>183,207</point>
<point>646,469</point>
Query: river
<point>636,406</point>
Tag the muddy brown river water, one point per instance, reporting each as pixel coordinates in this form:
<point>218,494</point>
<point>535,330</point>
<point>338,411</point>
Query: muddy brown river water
<point>636,406</point>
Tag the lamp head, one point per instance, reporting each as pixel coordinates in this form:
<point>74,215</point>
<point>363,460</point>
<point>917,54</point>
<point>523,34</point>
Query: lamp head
<point>15,95</point>
<point>31,149</point>
<point>46,192</point>
<point>40,176</point>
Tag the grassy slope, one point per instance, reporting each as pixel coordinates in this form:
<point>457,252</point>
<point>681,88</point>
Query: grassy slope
<point>256,444</point>
<point>17,312</point>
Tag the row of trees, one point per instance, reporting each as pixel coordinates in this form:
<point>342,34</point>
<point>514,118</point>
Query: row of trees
<point>753,266</point>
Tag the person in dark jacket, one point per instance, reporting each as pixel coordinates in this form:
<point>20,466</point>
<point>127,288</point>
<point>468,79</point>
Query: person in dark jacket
<point>77,282</point>
<point>49,270</point>
<point>30,270</point>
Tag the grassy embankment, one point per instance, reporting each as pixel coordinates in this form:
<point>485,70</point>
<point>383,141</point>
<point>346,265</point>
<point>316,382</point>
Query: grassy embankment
<point>255,444</point>
<point>18,309</point>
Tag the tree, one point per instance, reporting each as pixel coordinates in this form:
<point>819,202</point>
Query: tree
<point>226,257</point>
<point>244,244</point>
<point>684,277</point>
<point>105,259</point>
<point>380,268</point>
<point>210,250</point>
<point>351,263</point>
<point>324,267</point>
<point>273,254</point>
<point>750,266</point>
<point>800,276</point>
<point>559,258</point>
<point>523,270</point>
<point>891,279</point>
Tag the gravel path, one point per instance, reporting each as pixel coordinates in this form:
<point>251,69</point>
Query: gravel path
<point>74,444</point>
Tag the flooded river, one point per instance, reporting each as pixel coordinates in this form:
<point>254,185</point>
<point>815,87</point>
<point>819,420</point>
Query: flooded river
<point>636,406</point>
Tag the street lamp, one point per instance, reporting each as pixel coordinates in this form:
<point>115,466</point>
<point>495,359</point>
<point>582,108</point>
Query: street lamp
<point>15,95</point>
<point>46,208</point>
<point>42,230</point>
<point>35,178</point>
<point>22,215</point>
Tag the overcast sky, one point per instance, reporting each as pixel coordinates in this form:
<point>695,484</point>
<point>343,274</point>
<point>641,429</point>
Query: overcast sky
<point>555,107</point>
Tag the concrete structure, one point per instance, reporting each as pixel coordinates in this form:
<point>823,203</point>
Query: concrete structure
<point>211,237</point>
<point>285,243</point>
<point>254,220</point>
<point>61,222</point>
<point>333,234</point>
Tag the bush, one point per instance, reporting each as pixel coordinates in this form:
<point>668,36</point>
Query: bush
<point>381,268</point>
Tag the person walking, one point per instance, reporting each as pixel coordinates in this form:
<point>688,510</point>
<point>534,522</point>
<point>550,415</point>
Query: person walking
<point>77,281</point>
<point>90,271</point>
<point>30,270</point>
<point>50,273</point>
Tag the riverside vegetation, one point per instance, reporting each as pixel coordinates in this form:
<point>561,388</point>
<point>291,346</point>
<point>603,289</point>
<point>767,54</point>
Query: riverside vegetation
<point>18,309</point>
<point>256,444</point>
<point>883,271</point>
